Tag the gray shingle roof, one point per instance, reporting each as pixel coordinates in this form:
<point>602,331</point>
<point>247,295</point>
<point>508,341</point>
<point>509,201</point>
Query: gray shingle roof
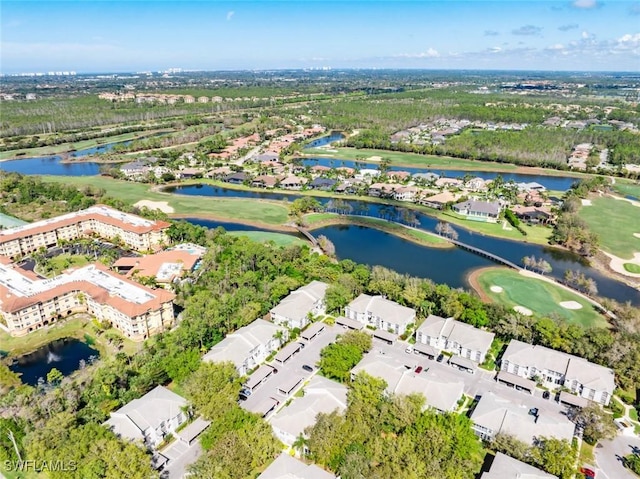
<point>387,310</point>
<point>287,467</point>
<point>300,302</point>
<point>505,467</point>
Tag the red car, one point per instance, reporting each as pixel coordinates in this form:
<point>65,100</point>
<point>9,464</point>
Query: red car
<point>419,369</point>
<point>588,473</point>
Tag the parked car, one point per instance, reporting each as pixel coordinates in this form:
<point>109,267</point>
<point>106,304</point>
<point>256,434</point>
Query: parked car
<point>418,369</point>
<point>409,349</point>
<point>243,397</point>
<point>306,367</point>
<point>546,395</point>
<point>588,472</point>
<point>440,358</point>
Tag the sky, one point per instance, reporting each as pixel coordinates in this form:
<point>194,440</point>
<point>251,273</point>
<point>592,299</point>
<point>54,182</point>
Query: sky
<point>150,35</point>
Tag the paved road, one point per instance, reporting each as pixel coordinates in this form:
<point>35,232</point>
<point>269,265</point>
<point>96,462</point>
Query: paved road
<point>608,457</point>
<point>291,369</point>
<point>180,456</point>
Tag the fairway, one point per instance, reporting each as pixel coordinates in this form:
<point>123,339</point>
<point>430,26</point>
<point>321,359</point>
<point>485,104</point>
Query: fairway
<point>257,211</point>
<point>541,297</point>
<point>279,239</point>
<point>615,222</point>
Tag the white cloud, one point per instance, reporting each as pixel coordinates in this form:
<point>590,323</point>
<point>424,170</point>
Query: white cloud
<point>557,46</point>
<point>495,49</point>
<point>585,3</point>
<point>230,15</point>
<point>628,43</point>
<point>430,53</point>
<point>527,30</point>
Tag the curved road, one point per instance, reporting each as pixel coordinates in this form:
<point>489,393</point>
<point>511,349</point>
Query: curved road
<point>608,457</point>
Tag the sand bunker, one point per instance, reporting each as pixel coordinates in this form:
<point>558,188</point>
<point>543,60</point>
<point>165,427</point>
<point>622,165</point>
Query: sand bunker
<point>496,289</point>
<point>570,305</point>
<point>637,235</point>
<point>522,310</point>
<point>617,264</point>
<point>155,205</point>
<point>586,202</point>
<point>374,158</point>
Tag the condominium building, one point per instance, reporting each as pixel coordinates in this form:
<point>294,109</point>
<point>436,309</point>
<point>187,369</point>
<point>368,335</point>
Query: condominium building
<point>29,302</point>
<point>380,312</point>
<point>136,232</point>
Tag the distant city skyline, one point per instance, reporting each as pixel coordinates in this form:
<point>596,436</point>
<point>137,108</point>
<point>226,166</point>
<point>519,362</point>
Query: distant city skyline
<point>146,35</point>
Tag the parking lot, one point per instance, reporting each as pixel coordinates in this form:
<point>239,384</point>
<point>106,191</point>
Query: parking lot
<point>269,395</point>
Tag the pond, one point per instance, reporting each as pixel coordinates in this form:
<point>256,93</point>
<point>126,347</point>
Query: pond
<point>66,355</point>
<point>560,260</point>
<point>556,183</point>
<point>325,140</point>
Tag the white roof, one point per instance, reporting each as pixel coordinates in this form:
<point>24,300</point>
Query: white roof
<point>155,407</point>
<point>439,394</point>
<point>383,308</point>
<point>501,415</point>
<point>505,467</point>
<point>287,467</point>
<point>525,354</point>
<point>237,346</point>
<point>301,301</point>
<point>321,395</point>
<point>464,334</point>
<point>590,375</point>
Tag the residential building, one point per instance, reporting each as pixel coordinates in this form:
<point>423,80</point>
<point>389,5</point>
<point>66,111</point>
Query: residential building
<point>441,394</point>
<point>555,369</point>
<point>505,467</point>
<point>249,346</point>
<point>455,337</point>
<point>405,193</point>
<point>136,232</point>
<point>323,183</point>
<point>494,414</point>
<point>294,310</point>
<point>292,183</point>
<point>264,181</point>
<point>150,418</point>
<point>380,312</point>
<point>236,178</point>
<point>165,266</point>
<point>487,211</point>
<point>28,302</point>
<point>440,200</point>
<point>321,395</point>
<point>287,467</point>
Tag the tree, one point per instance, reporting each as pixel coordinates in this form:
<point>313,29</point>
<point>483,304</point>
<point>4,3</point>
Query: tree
<point>54,377</point>
<point>595,423</point>
<point>555,456</point>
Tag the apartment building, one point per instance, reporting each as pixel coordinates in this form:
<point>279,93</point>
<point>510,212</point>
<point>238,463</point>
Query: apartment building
<point>380,312</point>
<point>29,302</point>
<point>136,232</point>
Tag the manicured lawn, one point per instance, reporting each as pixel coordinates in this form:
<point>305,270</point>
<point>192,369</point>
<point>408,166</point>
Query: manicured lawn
<point>279,239</point>
<point>615,222</point>
<point>625,187</point>
<point>240,209</point>
<point>535,234</point>
<point>63,261</point>
<point>632,268</point>
<point>537,295</point>
<point>393,228</point>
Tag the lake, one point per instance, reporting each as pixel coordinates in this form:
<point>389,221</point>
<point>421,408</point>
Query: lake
<point>325,140</point>
<point>63,354</point>
<point>559,259</point>
<point>556,183</point>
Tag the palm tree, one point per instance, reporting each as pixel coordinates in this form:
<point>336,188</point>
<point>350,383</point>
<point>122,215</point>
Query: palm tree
<point>300,444</point>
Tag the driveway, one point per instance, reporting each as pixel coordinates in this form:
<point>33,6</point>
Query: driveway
<point>609,457</point>
<point>291,371</point>
<point>180,456</point>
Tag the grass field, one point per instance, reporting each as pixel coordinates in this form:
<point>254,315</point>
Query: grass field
<point>539,296</point>
<point>632,268</point>
<point>615,222</point>
<point>279,239</point>
<point>240,209</point>
<point>63,261</point>
<point>79,145</point>
<point>393,228</point>
<point>625,187</point>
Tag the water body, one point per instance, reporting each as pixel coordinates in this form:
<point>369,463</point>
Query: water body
<point>52,165</point>
<point>560,260</point>
<point>63,354</point>
<point>325,140</point>
<point>557,183</point>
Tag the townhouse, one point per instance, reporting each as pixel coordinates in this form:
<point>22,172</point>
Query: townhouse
<point>294,310</point>
<point>381,313</point>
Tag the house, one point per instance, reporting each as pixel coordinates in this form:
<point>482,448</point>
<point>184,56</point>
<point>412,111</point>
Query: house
<point>380,190</point>
<point>476,184</point>
<point>440,200</point>
<point>405,193</point>
<point>293,311</point>
<point>220,172</point>
<point>321,395</point>
<point>398,175</point>
<point>449,183</point>
<point>455,336</point>
<point>266,157</point>
<point>487,211</point>
<point>322,183</point>
<point>320,169</point>
<point>249,346</point>
<point>236,178</point>
<point>380,312</point>
<point>534,214</point>
<point>264,181</point>
<point>505,467</point>
<point>287,467</point>
<point>555,369</point>
<point>188,173</point>
<point>494,414</point>
<point>135,169</point>
<point>426,177</point>
<point>150,418</point>
<point>441,393</point>
<point>293,183</point>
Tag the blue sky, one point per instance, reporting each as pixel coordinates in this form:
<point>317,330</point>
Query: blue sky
<point>98,36</point>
